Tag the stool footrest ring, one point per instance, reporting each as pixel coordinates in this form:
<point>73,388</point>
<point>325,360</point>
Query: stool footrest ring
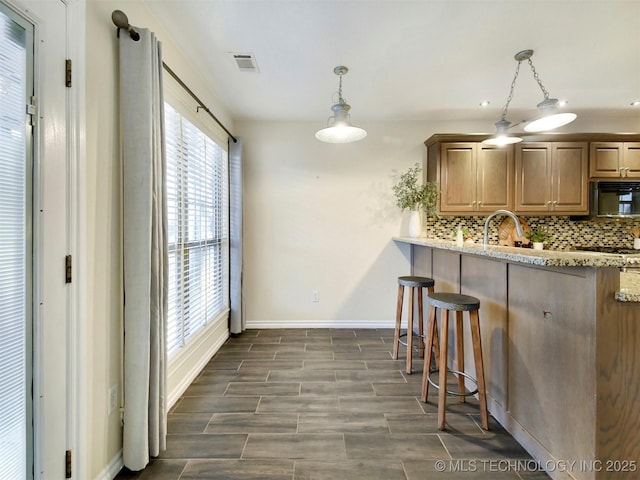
<point>451,392</point>
<point>416,335</point>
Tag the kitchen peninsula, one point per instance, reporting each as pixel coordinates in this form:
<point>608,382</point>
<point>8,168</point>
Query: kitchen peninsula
<point>561,347</point>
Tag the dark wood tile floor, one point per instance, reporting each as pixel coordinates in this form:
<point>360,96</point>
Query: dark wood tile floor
<point>325,404</point>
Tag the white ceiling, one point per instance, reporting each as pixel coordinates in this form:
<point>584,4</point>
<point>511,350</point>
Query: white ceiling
<point>411,60</point>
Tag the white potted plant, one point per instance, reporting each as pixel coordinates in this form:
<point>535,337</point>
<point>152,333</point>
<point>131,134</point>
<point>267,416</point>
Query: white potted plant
<point>416,197</point>
<point>538,237</point>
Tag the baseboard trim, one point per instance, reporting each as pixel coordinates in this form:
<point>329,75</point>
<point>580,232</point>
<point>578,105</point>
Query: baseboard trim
<point>267,324</point>
<point>112,469</point>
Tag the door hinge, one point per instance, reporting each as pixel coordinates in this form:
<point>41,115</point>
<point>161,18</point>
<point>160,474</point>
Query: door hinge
<point>68,462</point>
<point>68,264</point>
<point>68,72</point>
<point>32,111</point>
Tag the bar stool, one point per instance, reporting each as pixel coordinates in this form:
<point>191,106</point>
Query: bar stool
<point>414,283</point>
<point>459,303</point>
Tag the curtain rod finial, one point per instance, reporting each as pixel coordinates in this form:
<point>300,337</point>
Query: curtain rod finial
<point>120,20</point>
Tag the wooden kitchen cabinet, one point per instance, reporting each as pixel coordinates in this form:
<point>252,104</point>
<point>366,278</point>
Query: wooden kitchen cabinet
<point>457,177</point>
<point>561,374</point>
<point>551,177</point>
<point>614,160</point>
<point>551,358</point>
<point>475,177</point>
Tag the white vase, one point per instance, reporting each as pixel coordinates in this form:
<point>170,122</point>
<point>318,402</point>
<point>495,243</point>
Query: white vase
<point>415,224</point>
<point>538,245</point>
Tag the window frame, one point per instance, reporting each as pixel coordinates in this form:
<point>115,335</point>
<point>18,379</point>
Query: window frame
<point>190,334</point>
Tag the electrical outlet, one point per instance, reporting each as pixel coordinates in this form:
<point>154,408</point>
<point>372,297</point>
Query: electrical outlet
<point>314,296</point>
<point>113,398</point>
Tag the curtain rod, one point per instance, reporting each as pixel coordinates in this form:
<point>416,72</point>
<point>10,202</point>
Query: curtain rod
<point>121,21</point>
<point>202,105</point>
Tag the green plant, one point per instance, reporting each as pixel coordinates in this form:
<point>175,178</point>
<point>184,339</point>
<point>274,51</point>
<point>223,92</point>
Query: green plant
<point>411,195</point>
<point>539,235</point>
<point>466,234</point>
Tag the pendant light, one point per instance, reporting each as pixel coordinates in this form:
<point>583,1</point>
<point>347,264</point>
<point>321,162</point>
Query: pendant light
<point>502,137</point>
<point>548,119</point>
<point>339,128</point>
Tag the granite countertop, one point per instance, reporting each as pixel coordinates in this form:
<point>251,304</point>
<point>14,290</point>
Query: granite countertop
<point>550,258</point>
<point>629,285</point>
<point>629,279</point>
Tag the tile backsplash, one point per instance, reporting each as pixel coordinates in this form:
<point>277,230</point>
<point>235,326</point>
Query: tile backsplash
<point>566,233</point>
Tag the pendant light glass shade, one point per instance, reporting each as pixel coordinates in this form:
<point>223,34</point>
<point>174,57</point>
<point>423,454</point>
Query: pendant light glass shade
<point>502,137</point>
<point>548,119</point>
<point>341,134</point>
<point>339,128</point>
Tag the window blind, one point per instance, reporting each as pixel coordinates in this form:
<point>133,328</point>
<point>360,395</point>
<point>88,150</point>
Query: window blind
<point>14,254</point>
<point>197,207</point>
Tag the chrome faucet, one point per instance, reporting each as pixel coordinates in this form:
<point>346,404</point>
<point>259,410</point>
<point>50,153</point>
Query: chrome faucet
<point>501,212</point>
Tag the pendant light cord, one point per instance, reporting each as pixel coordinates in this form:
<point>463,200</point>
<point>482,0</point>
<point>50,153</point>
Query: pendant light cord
<point>341,100</point>
<point>535,75</point>
<point>503,117</point>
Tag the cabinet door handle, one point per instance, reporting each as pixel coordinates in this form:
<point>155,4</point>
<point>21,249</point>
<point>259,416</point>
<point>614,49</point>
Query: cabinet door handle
<point>549,202</point>
<point>555,202</point>
<point>621,171</point>
<point>626,171</point>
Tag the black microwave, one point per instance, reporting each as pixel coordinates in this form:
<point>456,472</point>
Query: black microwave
<point>615,200</point>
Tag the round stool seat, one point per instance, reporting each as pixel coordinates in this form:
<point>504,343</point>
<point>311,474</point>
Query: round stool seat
<point>454,301</point>
<point>420,282</point>
<point>415,285</point>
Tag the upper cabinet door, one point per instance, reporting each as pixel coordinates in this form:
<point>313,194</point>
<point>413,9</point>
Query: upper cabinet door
<point>533,174</point>
<point>632,159</point>
<point>552,178</point>
<point>494,178</point>
<point>605,159</point>
<point>614,160</point>
<point>458,177</point>
<point>569,181</point>
<point>475,177</point>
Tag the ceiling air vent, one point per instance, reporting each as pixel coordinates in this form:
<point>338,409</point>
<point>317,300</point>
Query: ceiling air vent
<point>246,62</point>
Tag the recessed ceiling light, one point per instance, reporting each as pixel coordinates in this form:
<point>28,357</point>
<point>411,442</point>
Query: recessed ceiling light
<point>635,103</point>
<point>484,103</point>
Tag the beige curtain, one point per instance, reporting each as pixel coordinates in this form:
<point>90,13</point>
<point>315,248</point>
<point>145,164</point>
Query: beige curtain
<point>145,254</point>
<point>237,322</point>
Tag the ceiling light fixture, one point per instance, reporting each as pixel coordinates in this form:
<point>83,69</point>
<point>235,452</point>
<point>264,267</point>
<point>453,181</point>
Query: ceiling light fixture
<point>548,119</point>
<point>339,128</point>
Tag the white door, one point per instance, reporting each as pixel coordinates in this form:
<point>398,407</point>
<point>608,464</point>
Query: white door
<point>46,239</point>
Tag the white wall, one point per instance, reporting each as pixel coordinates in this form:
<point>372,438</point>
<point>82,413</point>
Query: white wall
<point>103,222</point>
<point>321,217</point>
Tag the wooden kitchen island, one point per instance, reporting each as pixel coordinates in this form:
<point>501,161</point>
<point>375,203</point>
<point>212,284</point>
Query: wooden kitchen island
<point>561,348</point>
